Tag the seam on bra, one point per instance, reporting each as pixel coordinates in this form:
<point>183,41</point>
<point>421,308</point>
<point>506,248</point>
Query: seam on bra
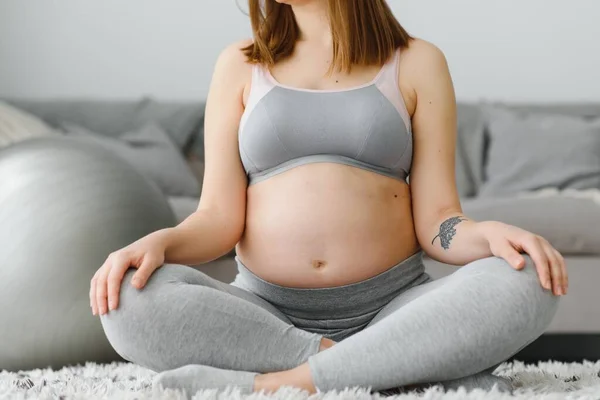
<point>276,131</point>
<point>248,157</point>
<point>368,136</point>
<point>405,116</point>
<point>249,110</point>
<point>251,104</point>
<point>409,144</point>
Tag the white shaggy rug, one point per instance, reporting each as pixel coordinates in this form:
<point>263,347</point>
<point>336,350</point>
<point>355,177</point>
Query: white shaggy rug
<point>547,381</point>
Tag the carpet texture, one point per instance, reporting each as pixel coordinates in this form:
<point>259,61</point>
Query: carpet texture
<point>546,381</point>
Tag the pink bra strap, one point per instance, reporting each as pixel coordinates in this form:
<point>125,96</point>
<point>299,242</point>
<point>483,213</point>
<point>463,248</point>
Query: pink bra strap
<point>389,73</point>
<point>388,84</point>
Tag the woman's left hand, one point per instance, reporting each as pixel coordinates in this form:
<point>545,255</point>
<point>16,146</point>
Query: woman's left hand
<point>508,242</point>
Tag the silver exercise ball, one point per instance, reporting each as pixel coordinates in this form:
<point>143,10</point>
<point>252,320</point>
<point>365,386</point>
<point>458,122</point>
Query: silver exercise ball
<point>64,206</point>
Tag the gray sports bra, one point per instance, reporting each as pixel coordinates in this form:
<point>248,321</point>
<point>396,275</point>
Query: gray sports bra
<point>366,126</point>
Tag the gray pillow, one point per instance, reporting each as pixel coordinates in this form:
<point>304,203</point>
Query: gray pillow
<point>183,207</point>
<point>569,224</point>
<point>150,150</point>
<point>531,151</point>
<point>469,149</point>
<point>181,120</point>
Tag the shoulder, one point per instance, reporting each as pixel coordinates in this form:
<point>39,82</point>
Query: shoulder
<point>422,59</point>
<point>422,49</point>
<point>233,62</point>
<point>423,69</point>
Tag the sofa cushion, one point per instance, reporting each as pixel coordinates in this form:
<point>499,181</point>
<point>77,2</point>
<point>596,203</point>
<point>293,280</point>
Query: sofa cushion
<point>183,206</point>
<point>574,109</point>
<point>180,120</point>
<point>17,125</point>
<point>150,150</point>
<point>568,222</point>
<point>530,151</point>
<point>469,149</point>
<point>197,166</point>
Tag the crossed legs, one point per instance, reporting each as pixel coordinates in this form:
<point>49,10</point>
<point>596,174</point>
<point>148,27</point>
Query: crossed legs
<point>440,331</point>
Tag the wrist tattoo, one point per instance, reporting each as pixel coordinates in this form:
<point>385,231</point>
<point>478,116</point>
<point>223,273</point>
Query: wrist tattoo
<point>447,231</point>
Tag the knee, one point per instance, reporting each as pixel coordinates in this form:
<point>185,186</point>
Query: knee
<point>125,326</point>
<point>519,292</point>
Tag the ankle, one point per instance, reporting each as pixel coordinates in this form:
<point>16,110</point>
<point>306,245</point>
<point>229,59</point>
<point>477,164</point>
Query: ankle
<point>265,382</point>
<point>298,377</point>
<point>325,344</point>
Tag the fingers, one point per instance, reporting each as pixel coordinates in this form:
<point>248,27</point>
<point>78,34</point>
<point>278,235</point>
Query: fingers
<point>93,284</point>
<point>557,269</point>
<point>549,263</point>
<point>119,266</point>
<point>512,256</point>
<point>563,266</point>
<point>140,278</point>
<point>105,286</point>
<point>101,290</point>
<point>533,246</point>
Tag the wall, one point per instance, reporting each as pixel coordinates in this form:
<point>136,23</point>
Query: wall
<point>541,50</point>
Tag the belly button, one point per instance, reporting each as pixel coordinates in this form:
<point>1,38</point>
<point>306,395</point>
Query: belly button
<point>318,264</point>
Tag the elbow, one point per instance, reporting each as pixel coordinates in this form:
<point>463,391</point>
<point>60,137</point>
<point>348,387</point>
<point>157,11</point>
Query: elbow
<point>428,248</point>
<point>424,235</point>
<point>428,236</point>
<point>427,228</point>
<point>233,234</point>
<point>214,232</point>
<point>226,245</point>
<point>231,229</point>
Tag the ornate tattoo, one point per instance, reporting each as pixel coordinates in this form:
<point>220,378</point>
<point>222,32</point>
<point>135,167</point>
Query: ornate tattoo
<point>447,231</point>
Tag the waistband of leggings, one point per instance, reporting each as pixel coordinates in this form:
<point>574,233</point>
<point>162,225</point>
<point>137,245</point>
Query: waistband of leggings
<point>339,301</point>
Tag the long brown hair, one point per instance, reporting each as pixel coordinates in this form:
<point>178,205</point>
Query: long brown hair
<point>364,32</point>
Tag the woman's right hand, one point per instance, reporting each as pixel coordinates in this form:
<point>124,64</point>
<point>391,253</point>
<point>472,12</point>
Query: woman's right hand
<point>146,254</point>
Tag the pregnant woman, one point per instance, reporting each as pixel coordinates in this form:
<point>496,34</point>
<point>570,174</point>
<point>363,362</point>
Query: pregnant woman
<point>312,129</point>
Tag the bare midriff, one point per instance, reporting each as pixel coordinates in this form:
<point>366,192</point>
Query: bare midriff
<point>325,225</point>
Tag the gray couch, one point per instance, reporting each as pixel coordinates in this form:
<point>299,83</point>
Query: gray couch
<point>568,222</point>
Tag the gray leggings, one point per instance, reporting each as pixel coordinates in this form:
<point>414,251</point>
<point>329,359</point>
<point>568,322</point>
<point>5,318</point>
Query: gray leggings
<point>395,329</point>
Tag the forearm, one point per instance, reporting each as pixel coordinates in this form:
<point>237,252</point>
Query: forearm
<point>454,239</point>
<point>202,237</point>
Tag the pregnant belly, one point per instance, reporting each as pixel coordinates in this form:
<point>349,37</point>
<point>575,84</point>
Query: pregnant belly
<point>326,225</point>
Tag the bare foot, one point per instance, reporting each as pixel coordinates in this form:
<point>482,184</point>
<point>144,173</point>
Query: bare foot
<point>299,377</point>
